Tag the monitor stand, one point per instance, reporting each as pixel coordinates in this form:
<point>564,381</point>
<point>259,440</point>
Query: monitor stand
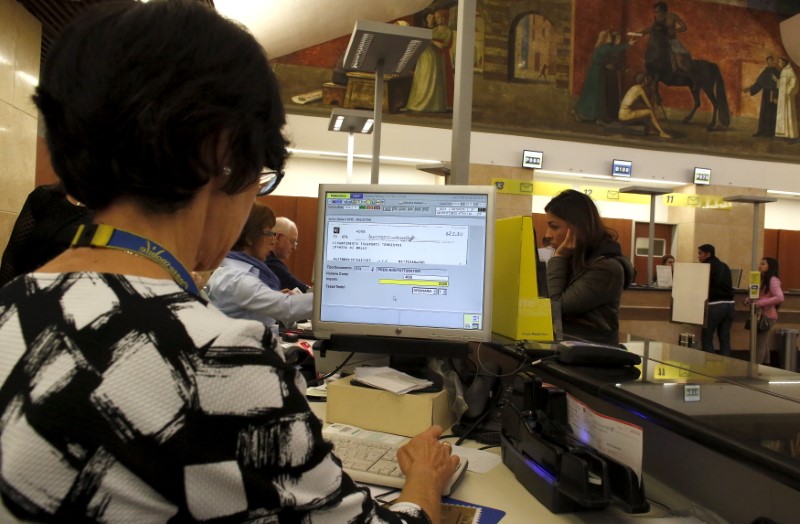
<point>409,355</point>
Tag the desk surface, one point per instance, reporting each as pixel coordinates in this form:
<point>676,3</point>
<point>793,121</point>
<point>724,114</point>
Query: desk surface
<point>499,489</point>
<point>747,414</point>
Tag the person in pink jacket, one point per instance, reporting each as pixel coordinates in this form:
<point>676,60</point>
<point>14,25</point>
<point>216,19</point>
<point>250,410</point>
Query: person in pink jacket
<point>770,298</point>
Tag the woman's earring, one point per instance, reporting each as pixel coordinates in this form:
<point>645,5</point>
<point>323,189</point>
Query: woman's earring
<point>226,171</point>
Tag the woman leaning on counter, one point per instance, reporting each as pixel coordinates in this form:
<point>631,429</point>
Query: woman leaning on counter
<point>587,271</point>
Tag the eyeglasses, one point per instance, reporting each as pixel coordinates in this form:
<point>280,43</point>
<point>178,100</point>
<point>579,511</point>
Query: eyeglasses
<point>292,242</point>
<point>268,181</point>
<point>268,234</point>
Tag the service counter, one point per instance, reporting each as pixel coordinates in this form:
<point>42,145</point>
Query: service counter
<point>720,436</point>
<point>645,312</point>
<point>722,432</point>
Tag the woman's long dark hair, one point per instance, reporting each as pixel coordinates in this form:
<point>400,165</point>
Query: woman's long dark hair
<point>772,271</point>
<point>579,211</point>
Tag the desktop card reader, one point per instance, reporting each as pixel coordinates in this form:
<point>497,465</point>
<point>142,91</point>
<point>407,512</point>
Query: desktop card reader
<point>564,474</point>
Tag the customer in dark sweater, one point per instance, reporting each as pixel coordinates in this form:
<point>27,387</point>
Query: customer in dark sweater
<point>719,317</point>
<point>587,272</point>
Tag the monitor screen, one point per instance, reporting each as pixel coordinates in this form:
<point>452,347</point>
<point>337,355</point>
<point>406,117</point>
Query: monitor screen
<point>404,262</point>
<point>622,168</point>
<point>702,176</point>
<point>532,159</point>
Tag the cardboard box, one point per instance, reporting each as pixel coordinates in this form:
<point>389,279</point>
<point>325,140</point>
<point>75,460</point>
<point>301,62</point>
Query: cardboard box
<point>518,312</point>
<point>378,410</point>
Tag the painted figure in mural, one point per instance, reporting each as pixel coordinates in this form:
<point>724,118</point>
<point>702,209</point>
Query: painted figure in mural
<point>542,73</point>
<point>665,63</point>
<point>443,42</point>
<point>592,103</point>
<point>614,75</point>
<point>786,120</point>
<point>669,25</point>
<point>767,85</point>
<point>429,87</point>
<point>630,110</point>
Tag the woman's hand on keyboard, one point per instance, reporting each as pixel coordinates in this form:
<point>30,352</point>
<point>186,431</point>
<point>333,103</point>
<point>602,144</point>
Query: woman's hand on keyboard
<point>427,464</point>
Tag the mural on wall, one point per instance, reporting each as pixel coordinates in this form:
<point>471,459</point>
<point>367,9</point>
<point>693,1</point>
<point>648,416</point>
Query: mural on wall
<point>665,75</point>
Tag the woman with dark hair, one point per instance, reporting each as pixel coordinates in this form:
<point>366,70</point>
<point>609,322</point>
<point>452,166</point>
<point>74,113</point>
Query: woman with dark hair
<point>125,396</point>
<point>770,297</point>
<point>245,287</point>
<point>587,272</point>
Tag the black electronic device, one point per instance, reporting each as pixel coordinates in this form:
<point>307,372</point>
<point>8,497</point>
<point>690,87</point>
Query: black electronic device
<point>302,358</point>
<point>532,159</point>
<point>702,176</point>
<point>622,168</point>
<point>563,473</point>
<point>290,336</point>
<point>597,355</point>
<point>482,390</point>
<point>303,333</point>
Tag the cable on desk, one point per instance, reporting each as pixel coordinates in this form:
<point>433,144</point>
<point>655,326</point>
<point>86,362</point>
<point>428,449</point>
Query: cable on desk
<point>482,367</point>
<point>321,380</point>
<point>490,438</point>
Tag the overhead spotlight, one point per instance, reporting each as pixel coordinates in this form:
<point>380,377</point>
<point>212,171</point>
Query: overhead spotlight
<point>398,47</point>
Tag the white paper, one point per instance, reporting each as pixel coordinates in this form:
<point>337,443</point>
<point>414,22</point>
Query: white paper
<point>615,438</point>
<point>390,379</point>
<point>363,434</point>
<point>664,276</point>
<point>479,461</point>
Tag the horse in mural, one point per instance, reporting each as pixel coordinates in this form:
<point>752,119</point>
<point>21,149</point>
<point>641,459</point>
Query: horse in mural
<point>702,76</point>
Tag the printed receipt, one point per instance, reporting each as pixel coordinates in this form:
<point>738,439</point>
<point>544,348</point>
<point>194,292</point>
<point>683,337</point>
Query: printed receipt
<point>615,438</point>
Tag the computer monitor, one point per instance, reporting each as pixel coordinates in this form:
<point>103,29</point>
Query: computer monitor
<point>404,269</point>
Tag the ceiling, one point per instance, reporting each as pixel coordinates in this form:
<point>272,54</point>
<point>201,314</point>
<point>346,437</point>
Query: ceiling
<point>56,14</point>
<point>266,19</point>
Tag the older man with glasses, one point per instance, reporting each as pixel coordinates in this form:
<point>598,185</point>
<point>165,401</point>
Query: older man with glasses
<point>284,246</point>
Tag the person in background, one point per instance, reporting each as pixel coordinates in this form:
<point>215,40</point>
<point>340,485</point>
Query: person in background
<point>245,287</point>
<point>44,229</point>
<point>770,297</point>
<point>126,397</point>
<point>284,246</point>
<point>720,302</point>
<point>587,272</point>
<point>666,260</point>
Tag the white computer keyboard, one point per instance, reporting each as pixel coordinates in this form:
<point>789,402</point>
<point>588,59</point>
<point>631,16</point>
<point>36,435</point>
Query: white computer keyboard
<point>371,457</point>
